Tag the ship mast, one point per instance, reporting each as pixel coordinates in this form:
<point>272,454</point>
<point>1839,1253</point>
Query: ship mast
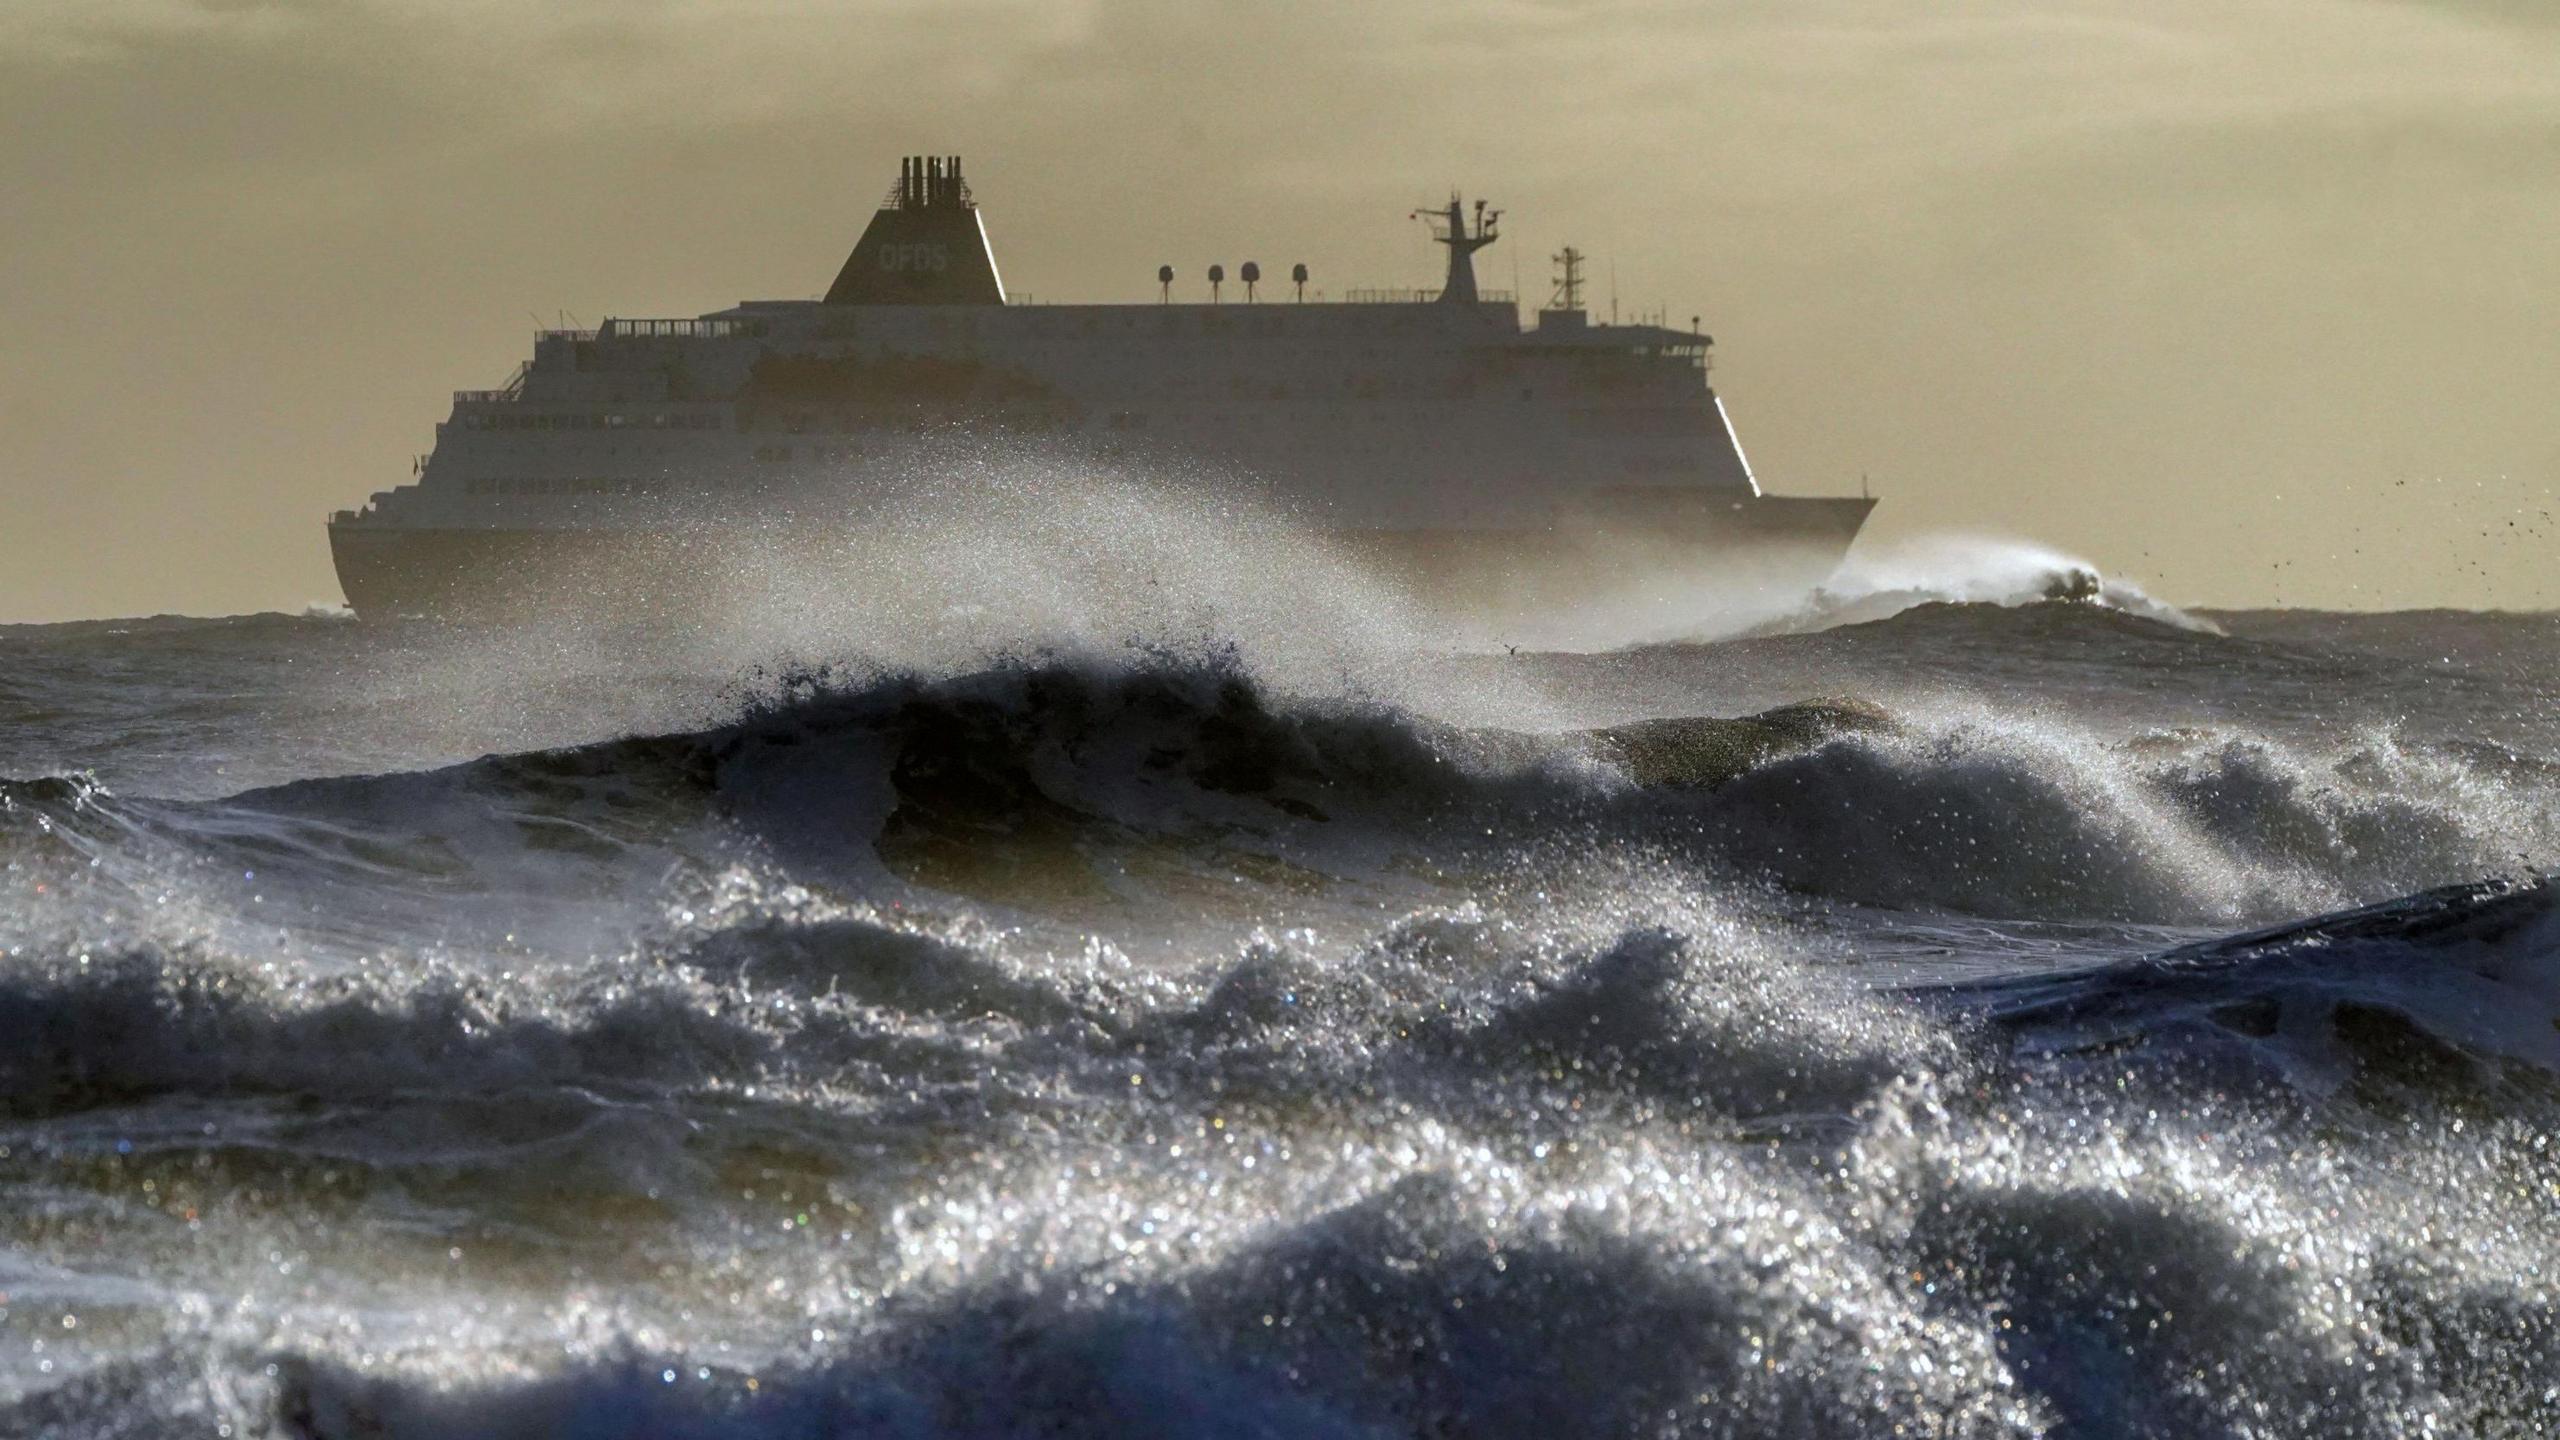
<point>1568,294</point>
<point>1449,227</point>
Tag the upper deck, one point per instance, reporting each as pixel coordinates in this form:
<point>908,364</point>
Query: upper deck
<point>1388,408</point>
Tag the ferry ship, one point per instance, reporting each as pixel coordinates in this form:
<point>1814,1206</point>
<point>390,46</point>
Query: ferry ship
<point>1478,463</point>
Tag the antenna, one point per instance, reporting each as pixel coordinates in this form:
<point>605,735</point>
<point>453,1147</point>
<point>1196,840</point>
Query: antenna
<point>1568,294</point>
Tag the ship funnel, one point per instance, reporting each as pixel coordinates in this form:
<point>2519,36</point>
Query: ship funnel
<point>925,246</point>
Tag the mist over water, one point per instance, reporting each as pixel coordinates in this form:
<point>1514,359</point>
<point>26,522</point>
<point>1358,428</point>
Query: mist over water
<point>1113,968</point>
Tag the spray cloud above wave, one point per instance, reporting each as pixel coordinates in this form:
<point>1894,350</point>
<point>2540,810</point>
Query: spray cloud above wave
<point>1882,579</point>
<point>1174,993</point>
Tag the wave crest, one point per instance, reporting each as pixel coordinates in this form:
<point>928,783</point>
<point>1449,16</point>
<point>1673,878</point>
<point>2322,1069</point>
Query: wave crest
<point>2188,828</point>
<point>2441,993</point>
<point>1880,582</point>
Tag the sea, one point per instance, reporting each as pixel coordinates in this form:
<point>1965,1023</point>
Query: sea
<point>1130,988</point>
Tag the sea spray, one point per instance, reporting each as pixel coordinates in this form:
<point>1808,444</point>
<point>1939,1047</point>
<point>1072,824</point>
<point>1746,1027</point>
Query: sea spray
<point>1813,1034</point>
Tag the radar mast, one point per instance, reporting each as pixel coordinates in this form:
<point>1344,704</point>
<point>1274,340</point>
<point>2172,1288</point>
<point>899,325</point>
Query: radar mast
<point>1449,227</point>
<point>1568,294</point>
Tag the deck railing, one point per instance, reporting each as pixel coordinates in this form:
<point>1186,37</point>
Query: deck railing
<point>620,329</point>
<point>1418,297</point>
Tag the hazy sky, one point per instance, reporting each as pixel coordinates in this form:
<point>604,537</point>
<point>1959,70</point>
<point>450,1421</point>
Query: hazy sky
<point>2250,300</point>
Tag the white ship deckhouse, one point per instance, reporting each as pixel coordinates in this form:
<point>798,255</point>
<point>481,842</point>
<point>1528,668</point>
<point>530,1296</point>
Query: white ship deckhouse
<point>1470,457</point>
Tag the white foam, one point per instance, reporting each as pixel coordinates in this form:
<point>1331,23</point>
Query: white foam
<point>1880,581</point>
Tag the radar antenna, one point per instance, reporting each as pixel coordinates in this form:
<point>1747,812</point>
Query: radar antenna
<point>1449,227</point>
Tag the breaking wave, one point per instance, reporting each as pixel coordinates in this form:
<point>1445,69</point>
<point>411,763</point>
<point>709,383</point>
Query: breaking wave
<point>2454,990</point>
<point>2027,820</point>
<point>1061,786</point>
<point>1623,1168</point>
<point>1903,1026</point>
<point>1881,581</point>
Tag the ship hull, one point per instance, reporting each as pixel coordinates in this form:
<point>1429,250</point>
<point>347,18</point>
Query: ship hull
<point>1619,551</point>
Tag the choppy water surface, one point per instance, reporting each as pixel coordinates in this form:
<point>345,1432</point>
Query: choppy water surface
<point>1921,1018</point>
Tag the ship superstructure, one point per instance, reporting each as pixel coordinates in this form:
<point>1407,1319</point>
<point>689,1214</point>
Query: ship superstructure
<point>1469,455</point>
